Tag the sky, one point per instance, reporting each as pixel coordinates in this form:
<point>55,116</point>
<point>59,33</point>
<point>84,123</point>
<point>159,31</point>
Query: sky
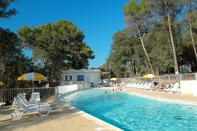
<point>98,19</point>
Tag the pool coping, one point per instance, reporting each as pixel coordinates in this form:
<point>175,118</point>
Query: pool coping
<point>104,125</point>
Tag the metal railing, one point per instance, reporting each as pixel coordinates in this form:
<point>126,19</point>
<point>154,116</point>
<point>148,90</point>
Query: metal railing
<point>168,79</point>
<point>7,95</point>
<point>61,97</point>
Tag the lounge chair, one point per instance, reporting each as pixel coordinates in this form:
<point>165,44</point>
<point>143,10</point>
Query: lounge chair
<point>35,97</point>
<point>22,96</point>
<point>128,85</point>
<point>136,85</point>
<point>140,86</point>
<point>43,108</point>
<point>174,89</point>
<point>144,86</point>
<point>148,87</point>
<point>2,103</point>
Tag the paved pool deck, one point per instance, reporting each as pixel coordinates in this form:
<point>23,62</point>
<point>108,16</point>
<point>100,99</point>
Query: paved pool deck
<point>164,95</point>
<point>64,117</point>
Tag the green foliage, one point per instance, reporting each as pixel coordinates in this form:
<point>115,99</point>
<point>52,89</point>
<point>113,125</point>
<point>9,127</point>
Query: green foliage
<point>133,7</point>
<point>4,11</point>
<point>150,17</point>
<point>12,62</point>
<point>121,54</point>
<point>138,16</point>
<point>58,46</point>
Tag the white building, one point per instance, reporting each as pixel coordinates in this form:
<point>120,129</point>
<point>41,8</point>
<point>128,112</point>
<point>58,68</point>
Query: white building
<point>85,77</point>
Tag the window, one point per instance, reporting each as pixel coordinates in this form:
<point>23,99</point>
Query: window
<point>70,77</point>
<point>66,78</point>
<point>80,77</point>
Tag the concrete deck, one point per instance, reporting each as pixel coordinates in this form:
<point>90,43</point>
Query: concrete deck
<point>62,117</point>
<point>164,95</point>
<point>66,118</point>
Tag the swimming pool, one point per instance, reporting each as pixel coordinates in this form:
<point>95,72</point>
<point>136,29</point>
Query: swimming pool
<point>131,113</point>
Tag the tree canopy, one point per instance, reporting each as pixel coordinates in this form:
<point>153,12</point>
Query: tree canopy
<point>13,63</point>
<point>4,11</point>
<point>166,31</point>
<point>60,46</point>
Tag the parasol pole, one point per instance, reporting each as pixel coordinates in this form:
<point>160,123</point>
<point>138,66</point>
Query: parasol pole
<point>33,85</point>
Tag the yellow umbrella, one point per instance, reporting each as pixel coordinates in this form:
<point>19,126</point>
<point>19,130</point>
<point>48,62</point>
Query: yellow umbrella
<point>150,76</point>
<point>114,79</point>
<point>1,83</point>
<point>33,76</point>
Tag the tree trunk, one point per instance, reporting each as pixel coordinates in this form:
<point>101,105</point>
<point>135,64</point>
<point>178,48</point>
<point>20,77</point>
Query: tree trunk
<point>193,43</point>
<point>142,42</point>
<point>2,69</point>
<point>172,41</point>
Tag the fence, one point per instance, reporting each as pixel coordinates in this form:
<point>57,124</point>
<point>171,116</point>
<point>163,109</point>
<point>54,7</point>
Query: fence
<point>7,95</point>
<point>168,79</point>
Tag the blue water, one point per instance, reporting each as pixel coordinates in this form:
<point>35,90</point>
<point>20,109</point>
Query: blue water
<point>134,113</point>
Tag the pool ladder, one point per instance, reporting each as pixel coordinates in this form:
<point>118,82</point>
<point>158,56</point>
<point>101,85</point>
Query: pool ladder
<point>61,97</point>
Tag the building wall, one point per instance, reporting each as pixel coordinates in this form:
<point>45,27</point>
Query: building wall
<point>186,87</point>
<point>189,87</point>
<point>69,77</point>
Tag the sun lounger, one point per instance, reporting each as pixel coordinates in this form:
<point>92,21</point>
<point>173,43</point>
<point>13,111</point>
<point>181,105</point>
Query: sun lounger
<point>140,86</point>
<point>174,89</point>
<point>144,86</point>
<point>43,108</point>
<point>22,97</point>
<point>2,103</point>
<point>35,97</point>
<point>136,85</point>
<point>128,85</point>
<point>148,87</point>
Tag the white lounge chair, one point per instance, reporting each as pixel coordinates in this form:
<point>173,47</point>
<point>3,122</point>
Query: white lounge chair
<point>144,86</point>
<point>148,87</point>
<point>140,86</point>
<point>128,85</point>
<point>2,103</point>
<point>23,107</point>
<point>35,97</point>
<point>136,85</point>
<point>22,97</point>
<point>133,85</point>
<point>174,89</point>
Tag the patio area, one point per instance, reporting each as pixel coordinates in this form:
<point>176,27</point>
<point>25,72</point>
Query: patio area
<point>62,117</point>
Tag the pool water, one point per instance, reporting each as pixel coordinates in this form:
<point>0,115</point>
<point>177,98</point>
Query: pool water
<point>134,113</point>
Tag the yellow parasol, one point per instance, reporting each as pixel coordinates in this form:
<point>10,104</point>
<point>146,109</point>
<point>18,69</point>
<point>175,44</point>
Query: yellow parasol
<point>150,76</point>
<point>114,79</point>
<point>33,76</point>
<point>1,83</point>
